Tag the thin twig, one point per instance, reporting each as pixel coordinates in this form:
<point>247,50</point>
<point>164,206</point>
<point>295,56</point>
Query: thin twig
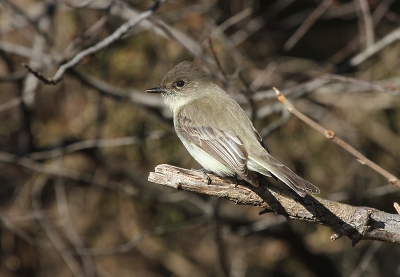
<point>12,103</point>
<point>397,207</point>
<point>216,59</point>
<point>379,45</point>
<point>331,135</point>
<point>307,24</point>
<point>25,52</point>
<point>62,204</point>
<point>264,75</point>
<point>8,223</point>
<point>118,34</point>
<point>87,144</point>
<point>230,21</point>
<point>368,24</point>
<point>58,171</point>
<point>352,46</point>
<point>134,95</point>
<point>31,21</point>
<point>49,228</point>
<point>245,32</point>
<point>157,231</point>
<point>382,88</point>
<point>366,260</point>
<point>95,28</point>
<point>13,77</point>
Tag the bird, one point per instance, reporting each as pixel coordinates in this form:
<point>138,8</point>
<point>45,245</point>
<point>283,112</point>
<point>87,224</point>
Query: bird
<point>218,133</point>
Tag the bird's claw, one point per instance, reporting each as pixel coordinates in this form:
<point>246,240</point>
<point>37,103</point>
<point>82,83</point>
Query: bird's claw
<point>202,170</point>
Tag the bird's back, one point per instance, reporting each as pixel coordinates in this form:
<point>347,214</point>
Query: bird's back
<point>219,105</point>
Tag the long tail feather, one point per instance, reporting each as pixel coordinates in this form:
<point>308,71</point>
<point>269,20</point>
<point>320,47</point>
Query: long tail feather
<point>270,165</point>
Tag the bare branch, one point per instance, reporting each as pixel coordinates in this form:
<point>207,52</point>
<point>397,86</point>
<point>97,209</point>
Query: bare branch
<point>23,51</point>
<point>50,229</point>
<point>217,61</point>
<point>86,144</point>
<point>367,22</point>
<point>134,95</point>
<point>397,207</point>
<point>331,135</point>
<point>15,76</point>
<point>12,103</point>
<point>388,88</point>
<point>118,34</point>
<point>352,46</point>
<point>362,267</point>
<point>58,171</point>
<point>357,223</point>
<point>231,21</point>
<point>307,24</point>
<point>376,47</point>
<point>70,231</point>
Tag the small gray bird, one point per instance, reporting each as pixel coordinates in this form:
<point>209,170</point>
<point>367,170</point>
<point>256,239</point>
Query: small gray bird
<point>217,132</point>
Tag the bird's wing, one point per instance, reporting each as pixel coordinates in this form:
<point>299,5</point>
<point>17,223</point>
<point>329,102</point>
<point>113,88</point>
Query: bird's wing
<point>223,145</point>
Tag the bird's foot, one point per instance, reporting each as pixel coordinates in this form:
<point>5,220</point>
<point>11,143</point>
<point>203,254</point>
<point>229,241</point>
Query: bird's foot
<point>202,170</point>
<point>236,180</point>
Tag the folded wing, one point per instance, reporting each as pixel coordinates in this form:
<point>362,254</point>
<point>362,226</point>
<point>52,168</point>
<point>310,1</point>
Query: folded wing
<point>224,146</point>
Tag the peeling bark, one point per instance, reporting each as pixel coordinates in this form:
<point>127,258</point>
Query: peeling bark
<point>357,223</point>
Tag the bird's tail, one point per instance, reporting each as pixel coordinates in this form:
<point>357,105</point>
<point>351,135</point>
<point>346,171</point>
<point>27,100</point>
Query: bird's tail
<point>269,165</point>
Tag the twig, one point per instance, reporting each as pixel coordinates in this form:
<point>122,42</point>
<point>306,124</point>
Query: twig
<point>58,171</point>
<point>248,92</point>
<point>379,45</point>
<point>12,103</point>
<point>397,207</point>
<point>307,24</point>
<point>358,223</point>
<point>264,75</point>
<point>366,260</point>
<point>13,77</point>
<point>31,21</point>
<point>352,46</point>
<point>8,223</point>
<point>82,4</point>
<point>23,51</point>
<point>183,39</point>
<point>215,231</point>
<point>136,96</point>
<point>49,228</point>
<point>230,21</point>
<point>216,57</point>
<point>157,231</point>
<point>95,28</point>
<point>118,34</point>
<point>331,135</point>
<point>86,144</point>
<point>368,24</point>
<point>180,14</point>
<point>284,117</point>
<point>239,264</point>
<point>382,88</point>
<point>62,204</point>
<point>243,33</point>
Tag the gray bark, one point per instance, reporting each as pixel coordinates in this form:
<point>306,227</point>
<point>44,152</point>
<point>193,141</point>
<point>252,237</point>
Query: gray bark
<point>357,223</point>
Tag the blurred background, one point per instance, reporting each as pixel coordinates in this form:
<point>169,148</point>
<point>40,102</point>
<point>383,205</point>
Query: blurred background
<point>75,156</point>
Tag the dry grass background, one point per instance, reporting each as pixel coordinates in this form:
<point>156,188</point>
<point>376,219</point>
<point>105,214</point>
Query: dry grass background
<point>97,215</point>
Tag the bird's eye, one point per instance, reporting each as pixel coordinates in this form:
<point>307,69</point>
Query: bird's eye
<point>180,83</point>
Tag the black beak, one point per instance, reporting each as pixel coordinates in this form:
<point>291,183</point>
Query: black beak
<point>156,90</point>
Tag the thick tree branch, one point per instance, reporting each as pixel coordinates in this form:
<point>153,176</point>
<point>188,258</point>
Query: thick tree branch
<point>357,223</point>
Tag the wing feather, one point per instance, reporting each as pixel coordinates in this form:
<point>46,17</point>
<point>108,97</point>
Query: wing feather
<point>225,146</point>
